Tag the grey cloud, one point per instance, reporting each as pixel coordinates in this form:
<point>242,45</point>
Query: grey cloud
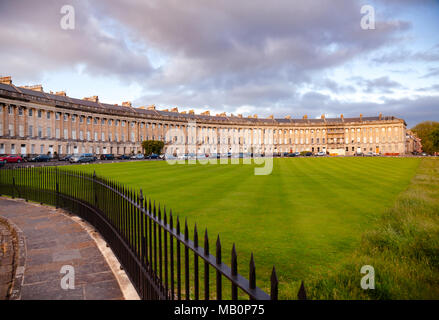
<point>234,42</point>
<point>403,55</point>
<point>434,88</point>
<point>432,72</point>
<point>394,56</point>
<point>431,55</point>
<point>335,87</point>
<point>414,110</point>
<point>35,42</point>
<point>249,55</point>
<point>254,96</point>
<point>377,85</point>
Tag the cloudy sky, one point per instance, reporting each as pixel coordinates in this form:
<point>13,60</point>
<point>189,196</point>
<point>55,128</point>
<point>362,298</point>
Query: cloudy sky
<point>280,57</point>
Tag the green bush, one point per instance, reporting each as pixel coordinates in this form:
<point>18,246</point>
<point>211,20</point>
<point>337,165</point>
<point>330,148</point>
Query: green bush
<point>152,146</point>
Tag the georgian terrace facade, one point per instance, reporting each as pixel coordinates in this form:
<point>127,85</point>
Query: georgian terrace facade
<point>36,122</point>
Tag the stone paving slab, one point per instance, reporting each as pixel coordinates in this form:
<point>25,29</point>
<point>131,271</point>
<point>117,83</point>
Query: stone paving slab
<point>6,261</point>
<point>53,240</point>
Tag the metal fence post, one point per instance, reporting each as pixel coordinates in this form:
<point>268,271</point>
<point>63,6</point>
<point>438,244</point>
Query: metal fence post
<point>94,188</point>
<point>274,285</point>
<point>301,295</point>
<point>57,195</point>
<point>56,188</point>
<point>13,187</point>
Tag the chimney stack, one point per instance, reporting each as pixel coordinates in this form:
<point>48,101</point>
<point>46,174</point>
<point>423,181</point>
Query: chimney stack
<point>322,116</point>
<point>361,117</point>
<point>380,117</point>
<point>93,99</point>
<point>126,104</point>
<point>6,80</point>
<point>191,112</point>
<point>37,87</point>
<point>288,117</point>
<point>60,93</point>
<point>270,117</point>
<point>205,113</point>
<point>174,110</point>
<point>151,107</point>
<point>305,116</point>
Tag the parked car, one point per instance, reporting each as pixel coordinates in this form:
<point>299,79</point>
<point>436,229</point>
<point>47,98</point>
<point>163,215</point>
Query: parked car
<point>12,159</point>
<point>107,156</point>
<point>321,154</point>
<point>66,158</point>
<point>138,156</point>
<point>40,158</point>
<point>123,157</point>
<point>202,156</point>
<point>90,155</point>
<point>169,157</point>
<point>291,155</point>
<point>2,163</point>
<point>153,156</point>
<point>85,157</point>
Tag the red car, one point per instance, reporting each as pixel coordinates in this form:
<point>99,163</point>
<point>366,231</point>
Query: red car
<point>12,159</point>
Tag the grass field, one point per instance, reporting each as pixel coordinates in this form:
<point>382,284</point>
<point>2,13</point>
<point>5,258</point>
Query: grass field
<point>307,217</point>
<point>403,248</point>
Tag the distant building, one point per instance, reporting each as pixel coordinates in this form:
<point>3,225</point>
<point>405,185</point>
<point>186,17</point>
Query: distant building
<point>36,122</point>
<point>413,143</point>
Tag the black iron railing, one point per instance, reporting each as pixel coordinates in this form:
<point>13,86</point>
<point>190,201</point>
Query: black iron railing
<point>149,244</point>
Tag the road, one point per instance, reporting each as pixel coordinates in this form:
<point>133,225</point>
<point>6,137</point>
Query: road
<point>66,163</point>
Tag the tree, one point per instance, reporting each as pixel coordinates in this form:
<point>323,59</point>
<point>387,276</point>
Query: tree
<point>435,139</point>
<point>427,132</point>
<point>152,146</point>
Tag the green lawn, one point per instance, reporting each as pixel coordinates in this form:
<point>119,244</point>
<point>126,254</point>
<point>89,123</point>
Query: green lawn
<point>305,218</point>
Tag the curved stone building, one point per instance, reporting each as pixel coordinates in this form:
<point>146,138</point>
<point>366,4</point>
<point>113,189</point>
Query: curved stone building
<point>36,122</point>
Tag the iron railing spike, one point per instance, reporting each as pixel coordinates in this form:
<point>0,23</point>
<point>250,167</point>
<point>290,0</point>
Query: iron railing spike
<point>274,285</point>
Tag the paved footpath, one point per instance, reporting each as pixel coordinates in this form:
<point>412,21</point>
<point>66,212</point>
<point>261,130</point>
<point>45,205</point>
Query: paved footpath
<point>53,240</point>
